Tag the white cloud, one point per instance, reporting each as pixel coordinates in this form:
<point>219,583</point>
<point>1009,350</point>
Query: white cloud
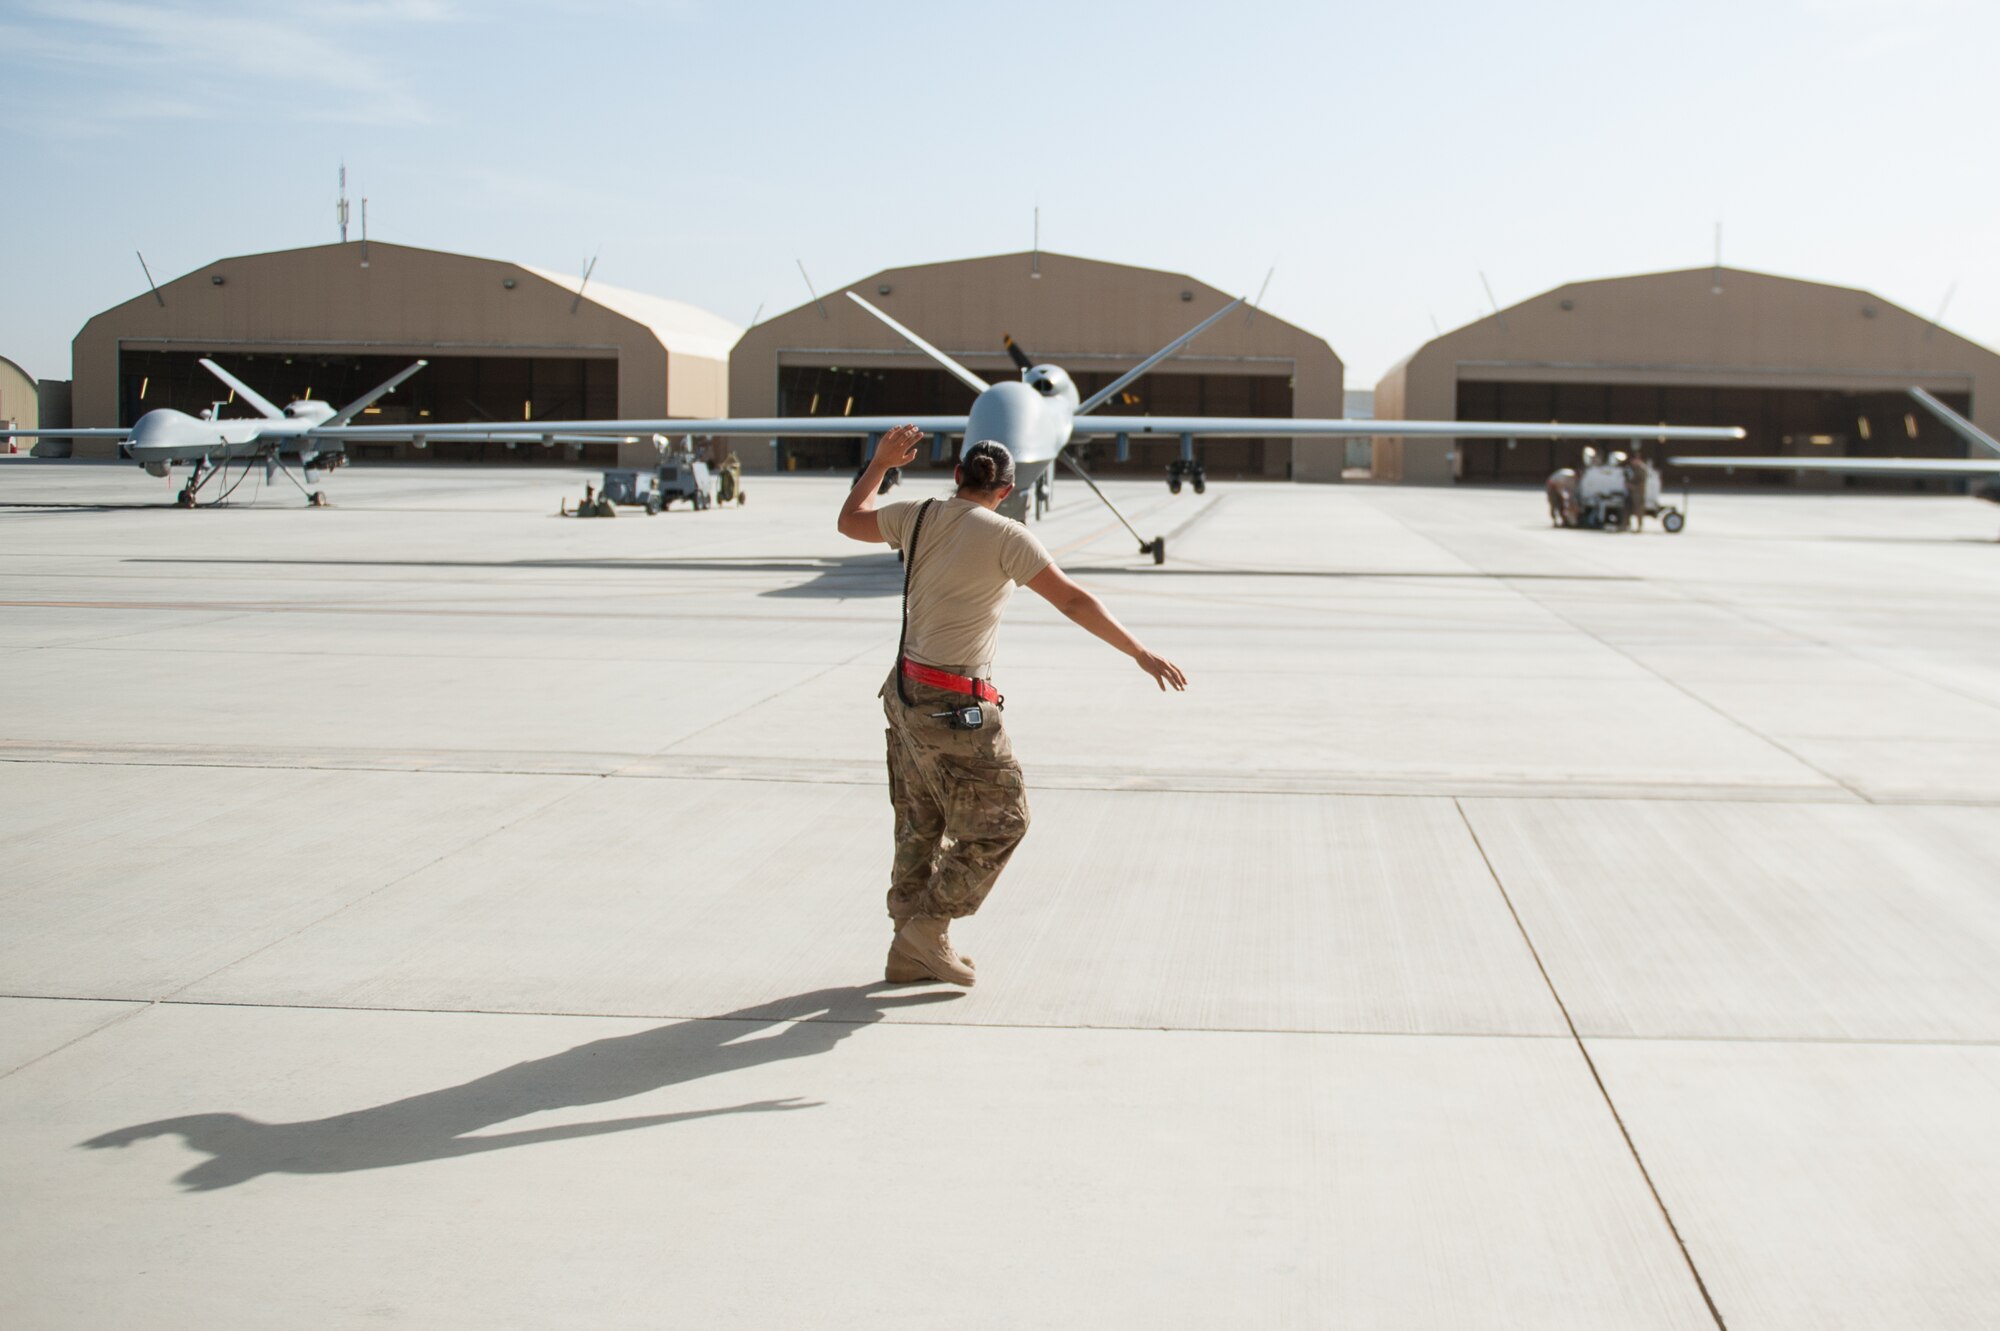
<point>90,66</point>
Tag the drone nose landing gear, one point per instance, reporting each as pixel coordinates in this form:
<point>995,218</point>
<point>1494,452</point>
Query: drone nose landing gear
<point>1157,547</point>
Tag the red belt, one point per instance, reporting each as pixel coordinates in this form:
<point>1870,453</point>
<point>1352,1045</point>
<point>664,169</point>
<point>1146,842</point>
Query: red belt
<point>944,679</point>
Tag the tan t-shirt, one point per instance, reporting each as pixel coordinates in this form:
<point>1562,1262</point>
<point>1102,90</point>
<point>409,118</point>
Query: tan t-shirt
<point>969,560</point>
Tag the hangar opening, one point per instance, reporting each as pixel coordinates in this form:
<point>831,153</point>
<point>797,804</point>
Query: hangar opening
<point>1806,369</point>
<point>1795,422</point>
<point>1096,320</point>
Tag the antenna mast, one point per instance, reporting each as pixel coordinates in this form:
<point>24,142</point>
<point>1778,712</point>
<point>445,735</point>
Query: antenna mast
<point>340,209</point>
<point>588,269</point>
<point>1490,301</point>
<point>809,287</point>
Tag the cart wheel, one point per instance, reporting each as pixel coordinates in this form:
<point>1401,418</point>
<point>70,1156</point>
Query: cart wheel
<point>1672,519</point>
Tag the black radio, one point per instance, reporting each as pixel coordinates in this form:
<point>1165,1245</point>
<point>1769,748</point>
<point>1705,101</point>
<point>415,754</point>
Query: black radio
<point>962,718</point>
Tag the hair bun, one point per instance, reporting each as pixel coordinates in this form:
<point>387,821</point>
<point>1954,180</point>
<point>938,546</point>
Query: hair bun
<point>986,466</point>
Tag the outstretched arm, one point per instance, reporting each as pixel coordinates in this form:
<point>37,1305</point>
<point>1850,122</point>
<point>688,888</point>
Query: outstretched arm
<point>898,448</point>
<point>1084,609</point>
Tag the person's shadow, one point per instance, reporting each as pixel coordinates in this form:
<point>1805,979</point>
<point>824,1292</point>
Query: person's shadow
<point>440,1124</point>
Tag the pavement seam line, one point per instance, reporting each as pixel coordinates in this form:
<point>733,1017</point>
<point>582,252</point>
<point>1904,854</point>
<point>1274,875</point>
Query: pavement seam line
<point>138,1005</point>
<point>1694,697</point>
<point>1225,783</point>
<point>1604,1091</point>
<point>1337,1032</point>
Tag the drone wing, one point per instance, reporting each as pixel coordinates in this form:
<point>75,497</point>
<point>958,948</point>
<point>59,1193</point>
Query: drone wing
<point>1265,427</point>
<point>769,427</point>
<point>244,391</point>
<point>1852,466</point>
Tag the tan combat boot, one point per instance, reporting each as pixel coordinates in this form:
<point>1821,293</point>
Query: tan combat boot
<point>923,951</point>
<point>900,970</point>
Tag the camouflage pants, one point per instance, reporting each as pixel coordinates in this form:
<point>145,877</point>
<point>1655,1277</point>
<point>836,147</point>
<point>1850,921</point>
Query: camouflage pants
<point>961,807</point>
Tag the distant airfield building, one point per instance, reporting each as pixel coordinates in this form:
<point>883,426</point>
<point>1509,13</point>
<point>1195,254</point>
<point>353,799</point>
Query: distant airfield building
<point>830,357</point>
<point>506,342</point>
<point>20,400</point>
<point>1809,370</point>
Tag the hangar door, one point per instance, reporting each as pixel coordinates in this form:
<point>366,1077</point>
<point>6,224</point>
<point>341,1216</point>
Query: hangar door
<point>1798,422</point>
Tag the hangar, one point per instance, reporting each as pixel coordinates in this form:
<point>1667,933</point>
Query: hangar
<point>1807,369</point>
<point>505,341</point>
<point>829,357</point>
<point>20,400</point>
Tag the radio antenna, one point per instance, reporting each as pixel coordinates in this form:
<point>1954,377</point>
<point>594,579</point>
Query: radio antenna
<point>1490,301</point>
<point>1250,315</point>
<point>149,279</point>
<point>809,287</point>
<point>340,208</point>
<point>1943,305</point>
<point>588,269</point>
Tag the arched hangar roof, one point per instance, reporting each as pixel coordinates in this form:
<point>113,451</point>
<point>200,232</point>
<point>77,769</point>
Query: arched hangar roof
<point>400,299</point>
<point>1696,327</point>
<point>1082,313</point>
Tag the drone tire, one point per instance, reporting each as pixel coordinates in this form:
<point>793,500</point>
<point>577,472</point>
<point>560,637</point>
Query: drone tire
<point>1159,548</point>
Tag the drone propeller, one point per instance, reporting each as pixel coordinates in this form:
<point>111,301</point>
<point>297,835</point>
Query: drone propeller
<point>1021,359</point>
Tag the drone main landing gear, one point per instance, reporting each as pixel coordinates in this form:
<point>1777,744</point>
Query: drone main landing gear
<point>1186,470</point>
<point>206,472</point>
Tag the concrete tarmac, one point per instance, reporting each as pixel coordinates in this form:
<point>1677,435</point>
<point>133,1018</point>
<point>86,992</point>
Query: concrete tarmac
<point>432,911</point>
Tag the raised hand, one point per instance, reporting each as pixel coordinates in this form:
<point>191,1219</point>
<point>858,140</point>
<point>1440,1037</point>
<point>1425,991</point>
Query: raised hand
<point>898,448</point>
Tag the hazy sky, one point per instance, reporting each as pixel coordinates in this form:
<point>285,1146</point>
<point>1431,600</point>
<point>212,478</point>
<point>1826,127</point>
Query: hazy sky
<point>1379,155</point>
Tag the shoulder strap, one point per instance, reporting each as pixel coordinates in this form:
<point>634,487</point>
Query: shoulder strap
<point>909,567</point>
